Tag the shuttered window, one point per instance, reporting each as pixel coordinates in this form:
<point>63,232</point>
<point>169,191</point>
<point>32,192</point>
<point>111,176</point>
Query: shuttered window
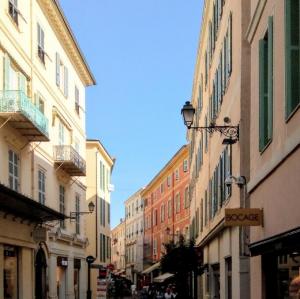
<point>57,69</point>
<point>292,55</point>
<point>41,43</point>
<point>13,170</point>
<point>41,186</point>
<point>77,210</point>
<point>62,204</point>
<point>266,87</point>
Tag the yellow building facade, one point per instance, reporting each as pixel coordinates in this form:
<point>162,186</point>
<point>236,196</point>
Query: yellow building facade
<point>42,147</point>
<point>118,247</point>
<point>99,168</point>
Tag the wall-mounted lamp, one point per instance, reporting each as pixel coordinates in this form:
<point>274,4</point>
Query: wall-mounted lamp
<point>91,206</point>
<point>231,132</point>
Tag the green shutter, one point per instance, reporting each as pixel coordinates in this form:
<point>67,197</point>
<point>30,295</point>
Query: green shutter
<point>270,79</point>
<point>262,83</point>
<point>229,49</point>
<point>292,55</point>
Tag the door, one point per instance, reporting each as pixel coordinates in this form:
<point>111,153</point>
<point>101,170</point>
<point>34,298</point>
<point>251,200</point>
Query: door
<point>40,275</point>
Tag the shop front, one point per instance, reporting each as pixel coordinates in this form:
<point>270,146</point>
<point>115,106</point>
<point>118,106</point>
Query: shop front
<point>279,258</point>
<point>22,255</point>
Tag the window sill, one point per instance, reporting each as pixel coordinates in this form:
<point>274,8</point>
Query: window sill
<point>265,147</point>
<point>292,113</point>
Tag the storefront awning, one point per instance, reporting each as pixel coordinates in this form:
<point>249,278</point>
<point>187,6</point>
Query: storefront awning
<point>151,268</point>
<point>19,205</point>
<point>163,277</point>
<point>285,242</point>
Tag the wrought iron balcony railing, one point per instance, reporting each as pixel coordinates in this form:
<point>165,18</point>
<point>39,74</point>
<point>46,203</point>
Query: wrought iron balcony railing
<point>67,158</point>
<point>23,115</point>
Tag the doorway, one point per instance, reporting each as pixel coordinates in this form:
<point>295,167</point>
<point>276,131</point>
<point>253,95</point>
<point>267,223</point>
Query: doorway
<point>40,275</point>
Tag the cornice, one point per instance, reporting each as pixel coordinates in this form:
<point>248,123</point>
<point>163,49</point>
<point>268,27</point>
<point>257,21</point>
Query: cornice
<point>183,151</point>
<point>255,20</point>
<point>61,27</point>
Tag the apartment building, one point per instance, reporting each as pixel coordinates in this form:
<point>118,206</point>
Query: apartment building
<point>118,248</point>
<point>42,146</point>
<point>220,96</point>
<point>166,212</point>
<point>273,34</point>
<point>134,237</point>
<point>98,180</point>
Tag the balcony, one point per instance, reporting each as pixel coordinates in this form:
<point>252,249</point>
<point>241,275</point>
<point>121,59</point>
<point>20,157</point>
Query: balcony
<point>66,158</point>
<point>17,110</point>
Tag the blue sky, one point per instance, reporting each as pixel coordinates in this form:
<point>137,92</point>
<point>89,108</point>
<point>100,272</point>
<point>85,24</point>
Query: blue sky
<point>142,53</point>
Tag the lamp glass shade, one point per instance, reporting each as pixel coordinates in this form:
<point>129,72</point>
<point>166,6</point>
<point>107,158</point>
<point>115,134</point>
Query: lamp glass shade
<point>91,207</point>
<point>188,112</point>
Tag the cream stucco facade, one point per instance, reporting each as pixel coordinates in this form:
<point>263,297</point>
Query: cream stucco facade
<point>118,247</point>
<point>274,184</point>
<point>220,89</point>
<point>99,169</point>
<point>134,228</point>
<point>42,148</point>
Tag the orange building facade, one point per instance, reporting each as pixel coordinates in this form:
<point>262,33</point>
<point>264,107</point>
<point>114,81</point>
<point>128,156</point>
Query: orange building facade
<point>166,200</point>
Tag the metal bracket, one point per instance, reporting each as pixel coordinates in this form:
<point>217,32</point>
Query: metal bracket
<point>59,166</point>
<point>228,131</point>
<point>5,122</point>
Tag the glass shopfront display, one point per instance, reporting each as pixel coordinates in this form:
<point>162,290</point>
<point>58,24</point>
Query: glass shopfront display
<point>10,272</point>
<point>282,275</point>
<point>77,264</point>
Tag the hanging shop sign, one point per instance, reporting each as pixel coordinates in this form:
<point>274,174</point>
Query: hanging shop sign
<point>39,234</point>
<point>243,217</point>
<point>62,261</point>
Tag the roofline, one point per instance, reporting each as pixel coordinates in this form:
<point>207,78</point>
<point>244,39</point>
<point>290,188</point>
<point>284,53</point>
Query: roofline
<point>134,195</point>
<point>101,146</point>
<point>60,10</point>
<point>164,168</point>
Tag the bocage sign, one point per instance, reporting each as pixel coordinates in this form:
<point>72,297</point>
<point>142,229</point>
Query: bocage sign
<point>243,217</point>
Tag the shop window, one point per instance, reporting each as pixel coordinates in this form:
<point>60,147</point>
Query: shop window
<point>10,272</point>
<point>228,269</point>
<point>77,266</point>
<point>216,281</point>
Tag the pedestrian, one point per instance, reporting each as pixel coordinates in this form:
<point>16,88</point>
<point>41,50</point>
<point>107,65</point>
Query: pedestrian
<point>168,294</point>
<point>173,293</point>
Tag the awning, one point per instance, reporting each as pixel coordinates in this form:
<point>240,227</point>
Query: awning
<point>19,205</point>
<point>163,277</point>
<point>151,268</point>
<point>284,242</point>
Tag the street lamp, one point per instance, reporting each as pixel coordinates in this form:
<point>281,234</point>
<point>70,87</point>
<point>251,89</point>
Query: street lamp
<point>74,215</point>
<point>89,259</point>
<point>231,132</point>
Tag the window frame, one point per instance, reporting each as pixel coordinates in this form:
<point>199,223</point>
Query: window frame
<point>41,186</point>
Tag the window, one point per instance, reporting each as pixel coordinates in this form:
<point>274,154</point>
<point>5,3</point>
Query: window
<point>266,87</point>
<point>41,186</point>
<point>41,43</point>
<point>185,165</point>
<point>77,100</point>
<point>162,188</point>
<point>10,272</point>
<point>155,217</point>
<point>292,55</point>
<point>102,211</point>
<point>108,213</point>
<point>40,103</point>
<point>13,10</point>
<point>61,75</point>
<point>186,198</point>
<point>228,273</point>
<point>13,169</point>
<point>169,181</point>
<point>77,210</point>
<point>61,133</point>
<point>62,204</point>
<point>177,202</point>
<point>154,247</point>
<point>102,248</point>
<point>162,213</point>
<point>169,208</point>
<point>177,174</point>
